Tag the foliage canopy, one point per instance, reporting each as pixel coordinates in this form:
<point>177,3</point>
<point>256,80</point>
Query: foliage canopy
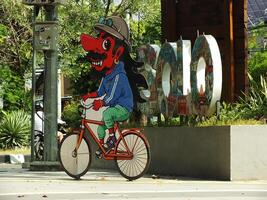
<point>76,17</point>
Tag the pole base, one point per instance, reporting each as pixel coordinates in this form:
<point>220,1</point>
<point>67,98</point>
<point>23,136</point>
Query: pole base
<point>45,166</point>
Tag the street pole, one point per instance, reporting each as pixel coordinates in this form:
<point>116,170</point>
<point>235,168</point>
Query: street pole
<point>45,36</point>
<point>33,90</point>
<point>50,94</point>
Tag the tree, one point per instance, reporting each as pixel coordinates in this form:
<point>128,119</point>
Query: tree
<point>15,53</point>
<point>76,17</point>
<point>13,90</point>
<point>146,25</point>
<point>257,64</point>
<point>15,36</point>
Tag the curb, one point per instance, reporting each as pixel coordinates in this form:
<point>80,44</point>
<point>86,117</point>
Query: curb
<point>14,158</point>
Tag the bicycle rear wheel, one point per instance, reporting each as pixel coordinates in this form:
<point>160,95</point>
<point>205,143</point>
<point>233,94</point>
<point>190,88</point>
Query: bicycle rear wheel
<point>75,163</point>
<point>138,165</point>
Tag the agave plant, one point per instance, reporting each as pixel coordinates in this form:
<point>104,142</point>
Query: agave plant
<point>14,130</point>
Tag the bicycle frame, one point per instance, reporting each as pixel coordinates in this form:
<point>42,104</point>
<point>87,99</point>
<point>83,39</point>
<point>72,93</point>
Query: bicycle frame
<point>111,155</point>
<point>131,152</point>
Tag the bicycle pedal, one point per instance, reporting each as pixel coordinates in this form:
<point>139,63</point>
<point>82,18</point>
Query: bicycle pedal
<point>98,154</point>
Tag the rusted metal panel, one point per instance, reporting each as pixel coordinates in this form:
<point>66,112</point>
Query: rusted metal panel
<point>240,43</point>
<point>168,11</point>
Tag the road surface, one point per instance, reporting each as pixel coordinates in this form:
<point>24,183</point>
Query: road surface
<point>17,183</point>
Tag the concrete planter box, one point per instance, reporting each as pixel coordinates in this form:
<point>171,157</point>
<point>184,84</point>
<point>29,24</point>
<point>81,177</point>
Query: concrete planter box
<point>221,152</point>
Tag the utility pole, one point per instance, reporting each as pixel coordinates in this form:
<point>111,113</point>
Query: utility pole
<point>45,39</point>
<point>50,92</point>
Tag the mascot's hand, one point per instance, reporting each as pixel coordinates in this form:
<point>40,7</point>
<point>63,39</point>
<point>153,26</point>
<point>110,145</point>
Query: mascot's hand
<point>89,95</point>
<point>97,104</point>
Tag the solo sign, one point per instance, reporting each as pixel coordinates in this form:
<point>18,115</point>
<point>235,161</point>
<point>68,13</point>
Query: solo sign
<point>181,83</point>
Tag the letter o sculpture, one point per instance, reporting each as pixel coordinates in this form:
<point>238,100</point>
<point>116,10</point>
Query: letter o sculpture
<point>148,55</point>
<point>167,61</point>
<point>206,75</point>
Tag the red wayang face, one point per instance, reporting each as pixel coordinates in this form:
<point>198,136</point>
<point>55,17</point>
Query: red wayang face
<point>100,50</point>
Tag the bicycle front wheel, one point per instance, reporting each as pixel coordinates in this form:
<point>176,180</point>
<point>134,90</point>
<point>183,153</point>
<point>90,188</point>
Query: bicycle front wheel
<point>75,163</point>
<point>138,165</point>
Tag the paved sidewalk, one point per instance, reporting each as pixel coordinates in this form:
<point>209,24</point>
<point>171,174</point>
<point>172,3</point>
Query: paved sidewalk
<point>18,183</point>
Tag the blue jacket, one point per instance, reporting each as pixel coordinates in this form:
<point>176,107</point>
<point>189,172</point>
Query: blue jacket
<point>117,88</point>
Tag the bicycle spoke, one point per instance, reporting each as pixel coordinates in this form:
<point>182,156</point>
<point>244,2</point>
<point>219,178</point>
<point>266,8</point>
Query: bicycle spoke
<point>129,167</point>
<point>135,169</point>
<point>135,172</point>
<point>140,154</point>
<point>139,150</point>
<point>126,164</point>
<point>123,163</point>
<point>142,161</point>
<point>121,149</point>
<point>129,141</point>
<point>136,143</point>
<point>139,166</point>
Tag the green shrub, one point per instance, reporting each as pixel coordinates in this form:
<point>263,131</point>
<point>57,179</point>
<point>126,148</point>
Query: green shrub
<point>13,90</point>
<point>252,109</point>
<point>1,114</point>
<point>213,121</point>
<point>257,65</point>
<point>71,115</point>
<point>15,130</point>
<point>254,105</point>
<point>230,112</point>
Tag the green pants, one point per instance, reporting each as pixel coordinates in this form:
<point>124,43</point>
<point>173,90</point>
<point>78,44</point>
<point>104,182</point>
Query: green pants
<point>110,116</point>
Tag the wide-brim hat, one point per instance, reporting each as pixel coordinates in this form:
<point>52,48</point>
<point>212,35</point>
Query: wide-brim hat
<point>115,26</point>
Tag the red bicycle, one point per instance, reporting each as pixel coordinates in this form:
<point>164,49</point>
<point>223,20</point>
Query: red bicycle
<point>131,152</point>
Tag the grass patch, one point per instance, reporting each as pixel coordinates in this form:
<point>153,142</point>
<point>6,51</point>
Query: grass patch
<point>24,151</point>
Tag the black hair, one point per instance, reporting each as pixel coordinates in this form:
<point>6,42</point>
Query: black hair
<point>136,79</point>
<point>118,43</point>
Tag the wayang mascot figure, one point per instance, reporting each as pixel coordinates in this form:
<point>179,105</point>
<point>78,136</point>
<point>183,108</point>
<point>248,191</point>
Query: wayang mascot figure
<point>109,53</point>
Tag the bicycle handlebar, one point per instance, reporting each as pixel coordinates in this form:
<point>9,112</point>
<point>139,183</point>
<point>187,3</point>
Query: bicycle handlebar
<point>83,107</point>
<point>88,106</point>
